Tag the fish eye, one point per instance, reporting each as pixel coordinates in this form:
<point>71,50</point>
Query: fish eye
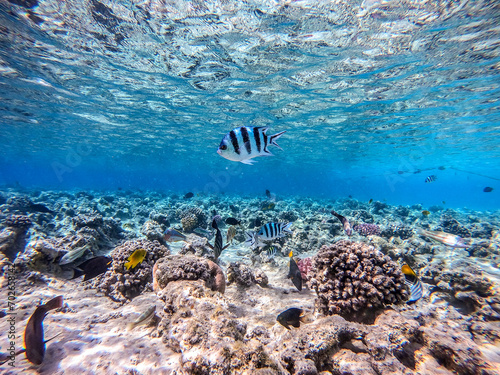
<point>223,147</point>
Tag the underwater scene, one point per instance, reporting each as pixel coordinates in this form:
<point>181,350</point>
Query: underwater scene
<point>249,187</point>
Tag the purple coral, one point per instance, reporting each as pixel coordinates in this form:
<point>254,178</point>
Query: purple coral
<point>305,266</point>
<point>367,229</point>
<point>351,279</point>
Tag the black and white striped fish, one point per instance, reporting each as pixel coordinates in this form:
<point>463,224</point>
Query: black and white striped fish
<point>268,232</point>
<point>430,178</point>
<point>247,142</point>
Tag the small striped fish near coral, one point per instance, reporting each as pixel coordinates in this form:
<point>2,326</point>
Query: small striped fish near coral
<point>268,232</point>
<point>246,142</point>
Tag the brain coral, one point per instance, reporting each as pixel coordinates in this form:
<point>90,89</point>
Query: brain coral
<point>351,277</point>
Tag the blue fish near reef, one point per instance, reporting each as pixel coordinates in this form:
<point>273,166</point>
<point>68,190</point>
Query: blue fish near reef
<point>247,142</point>
<point>268,232</point>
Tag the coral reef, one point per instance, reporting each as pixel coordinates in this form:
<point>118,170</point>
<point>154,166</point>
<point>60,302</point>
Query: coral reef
<point>188,267</point>
<point>13,236</point>
<point>451,225</point>
<point>240,274</point>
<point>367,229</point>
<point>121,284</point>
<point>305,266</point>
<point>397,230</point>
<point>153,231</point>
<point>192,218</point>
<point>351,279</point>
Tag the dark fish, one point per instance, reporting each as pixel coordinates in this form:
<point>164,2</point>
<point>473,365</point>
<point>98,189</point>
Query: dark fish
<point>268,193</point>
<point>33,334</point>
<point>441,168</point>
<point>294,273</point>
<point>38,207</point>
<point>188,195</point>
<point>93,267</point>
<point>412,281</point>
<point>426,213</point>
<point>370,201</point>
<point>291,317</point>
<point>488,189</point>
<point>430,178</point>
<point>345,223</point>
<point>232,221</point>
<point>217,247</point>
<point>246,142</point>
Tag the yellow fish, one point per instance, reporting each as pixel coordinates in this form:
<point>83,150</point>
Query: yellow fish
<point>406,269</point>
<point>135,258</point>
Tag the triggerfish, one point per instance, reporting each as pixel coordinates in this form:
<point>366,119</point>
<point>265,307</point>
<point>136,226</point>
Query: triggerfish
<point>445,238</point>
<point>411,279</point>
<point>345,223</point>
<point>33,334</point>
<point>291,317</point>
<point>246,142</point>
<point>135,258</point>
<point>294,273</point>
<point>171,235</point>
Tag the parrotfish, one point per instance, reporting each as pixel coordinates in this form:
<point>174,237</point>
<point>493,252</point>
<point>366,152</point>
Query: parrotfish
<point>294,273</point>
<point>246,142</point>
<point>411,279</point>
<point>291,317</point>
<point>33,334</point>
<point>345,223</point>
<point>171,235</point>
<point>135,258</point>
<point>445,238</point>
<point>144,318</point>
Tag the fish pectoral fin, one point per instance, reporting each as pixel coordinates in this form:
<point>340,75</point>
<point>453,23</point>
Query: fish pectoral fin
<point>210,246</point>
<point>225,247</point>
<point>248,161</point>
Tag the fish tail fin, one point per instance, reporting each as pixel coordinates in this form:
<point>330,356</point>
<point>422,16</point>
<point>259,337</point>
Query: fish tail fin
<point>54,303</point>
<point>286,228</point>
<point>214,224</point>
<point>274,137</point>
<point>250,238</point>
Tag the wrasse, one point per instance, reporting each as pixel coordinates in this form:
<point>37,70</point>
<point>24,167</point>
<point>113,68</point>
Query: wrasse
<point>445,238</point>
<point>144,318</point>
<point>345,223</point>
<point>171,235</point>
<point>246,142</point>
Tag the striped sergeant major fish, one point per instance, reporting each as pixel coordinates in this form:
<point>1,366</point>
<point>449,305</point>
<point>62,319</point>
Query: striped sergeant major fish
<point>247,142</point>
<point>268,232</point>
<point>445,238</point>
<point>430,178</point>
<point>412,281</point>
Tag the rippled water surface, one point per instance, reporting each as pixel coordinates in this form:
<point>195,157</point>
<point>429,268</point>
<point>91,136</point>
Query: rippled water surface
<point>140,93</point>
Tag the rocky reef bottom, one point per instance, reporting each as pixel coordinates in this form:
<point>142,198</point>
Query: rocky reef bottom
<point>219,316</point>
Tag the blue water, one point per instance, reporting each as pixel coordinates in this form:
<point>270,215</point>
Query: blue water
<point>138,95</point>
